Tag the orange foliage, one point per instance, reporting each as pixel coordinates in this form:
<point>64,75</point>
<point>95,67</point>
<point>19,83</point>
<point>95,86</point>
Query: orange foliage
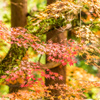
<point>78,83</point>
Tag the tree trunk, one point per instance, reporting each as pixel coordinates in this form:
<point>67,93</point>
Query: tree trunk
<point>60,70</point>
<point>18,19</point>
<point>18,13</point>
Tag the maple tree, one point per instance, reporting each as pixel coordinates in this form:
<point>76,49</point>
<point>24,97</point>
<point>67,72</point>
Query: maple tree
<point>17,70</point>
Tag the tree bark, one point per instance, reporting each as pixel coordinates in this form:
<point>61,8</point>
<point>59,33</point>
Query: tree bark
<point>18,13</point>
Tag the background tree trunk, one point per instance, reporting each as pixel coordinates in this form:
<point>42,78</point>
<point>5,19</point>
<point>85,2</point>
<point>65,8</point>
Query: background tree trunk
<point>18,13</point>
<point>18,19</point>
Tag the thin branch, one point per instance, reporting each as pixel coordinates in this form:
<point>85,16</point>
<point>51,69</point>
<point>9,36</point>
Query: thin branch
<point>50,65</point>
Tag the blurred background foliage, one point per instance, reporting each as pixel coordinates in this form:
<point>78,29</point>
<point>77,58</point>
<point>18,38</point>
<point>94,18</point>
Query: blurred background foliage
<point>35,5</point>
